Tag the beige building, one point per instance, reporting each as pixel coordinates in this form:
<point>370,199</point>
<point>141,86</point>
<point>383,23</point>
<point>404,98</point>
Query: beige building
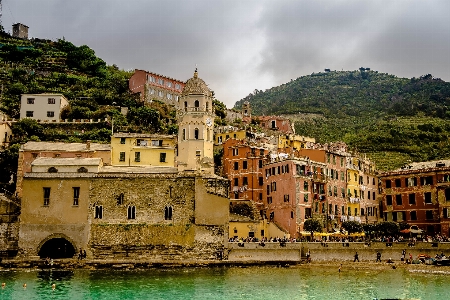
<point>5,130</point>
<point>20,31</point>
<point>140,149</point>
<point>195,116</point>
<point>43,107</point>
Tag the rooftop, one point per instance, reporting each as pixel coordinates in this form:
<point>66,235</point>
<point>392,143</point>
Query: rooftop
<point>68,147</point>
<point>142,135</point>
<point>49,161</point>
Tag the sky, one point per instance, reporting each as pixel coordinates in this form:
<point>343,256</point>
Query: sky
<point>242,45</point>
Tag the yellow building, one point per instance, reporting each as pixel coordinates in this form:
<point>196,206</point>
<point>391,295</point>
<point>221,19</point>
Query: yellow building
<point>221,137</point>
<point>353,189</point>
<point>294,141</point>
<point>138,149</point>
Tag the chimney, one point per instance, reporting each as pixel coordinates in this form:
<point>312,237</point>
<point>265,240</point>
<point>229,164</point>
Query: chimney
<point>88,145</point>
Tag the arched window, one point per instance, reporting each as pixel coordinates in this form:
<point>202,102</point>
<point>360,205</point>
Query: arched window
<point>52,170</point>
<point>185,105</point>
<point>131,213</point>
<point>196,133</point>
<point>82,170</point>
<point>168,213</point>
<point>196,105</point>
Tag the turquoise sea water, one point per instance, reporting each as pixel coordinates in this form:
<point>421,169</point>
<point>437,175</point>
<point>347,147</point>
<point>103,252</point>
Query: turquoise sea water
<point>302,282</point>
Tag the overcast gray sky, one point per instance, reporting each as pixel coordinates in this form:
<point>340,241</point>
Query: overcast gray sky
<point>243,45</point>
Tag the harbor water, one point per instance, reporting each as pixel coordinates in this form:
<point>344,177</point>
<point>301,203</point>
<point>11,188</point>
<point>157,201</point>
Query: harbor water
<point>261,282</point>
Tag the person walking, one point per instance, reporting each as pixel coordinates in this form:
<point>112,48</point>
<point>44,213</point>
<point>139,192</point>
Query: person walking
<point>356,257</point>
<point>378,256</point>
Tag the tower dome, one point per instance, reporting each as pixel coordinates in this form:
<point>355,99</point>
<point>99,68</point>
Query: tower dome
<point>196,86</point>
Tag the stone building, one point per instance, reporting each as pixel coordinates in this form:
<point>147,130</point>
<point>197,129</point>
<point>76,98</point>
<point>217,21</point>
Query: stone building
<point>112,212</point>
<point>151,86</point>
<point>20,31</point>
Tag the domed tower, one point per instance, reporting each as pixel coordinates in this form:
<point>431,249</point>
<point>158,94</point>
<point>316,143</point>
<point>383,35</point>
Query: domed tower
<point>195,117</point>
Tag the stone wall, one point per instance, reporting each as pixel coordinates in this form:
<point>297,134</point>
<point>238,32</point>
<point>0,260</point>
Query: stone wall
<point>330,251</point>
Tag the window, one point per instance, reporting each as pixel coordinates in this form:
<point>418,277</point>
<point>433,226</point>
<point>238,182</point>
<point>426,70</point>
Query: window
<point>343,209</point>
<point>413,215</point>
<point>98,212</point>
<point>260,180</point>
<point>196,133</point>
<point>168,213</point>
<point>260,163</point>
<point>46,196</point>
<point>196,105</point>
<point>286,198</point>
<point>373,196</point>
<point>429,214</point>
<point>447,194</point>
<point>343,192</point>
<point>236,165</point>
<point>76,195</point>
<point>52,170</point>
<point>51,100</point>
<point>342,176</point>
<point>131,212</point>
<point>157,143</point>
<point>268,189</point>
<point>160,93</point>
<point>169,96</point>
<point>426,180</point>
<point>122,156</point>
<point>292,214</point>
<point>29,114</point>
<point>411,181</point>
<point>169,84</point>
<point>82,170</point>
<point>207,107</point>
<point>160,81</point>
<point>305,198</point>
<point>368,195</point>
<point>412,199</point>
<point>244,164</point>
<point>398,182</point>
<point>184,134</point>
<point>198,152</point>
<point>162,157</point>
<point>235,151</point>
<point>185,105</point>
<point>388,199</point>
<point>306,186</point>
<point>274,124</point>
<point>120,199</point>
<point>137,156</point>
<point>177,86</point>
<point>30,100</point>
<point>388,184</point>
<point>122,141</point>
<point>427,197</point>
<point>236,181</point>
<point>274,186</point>
<point>398,199</point>
<point>244,181</point>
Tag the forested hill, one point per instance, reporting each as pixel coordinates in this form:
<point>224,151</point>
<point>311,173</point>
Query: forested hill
<point>394,120</point>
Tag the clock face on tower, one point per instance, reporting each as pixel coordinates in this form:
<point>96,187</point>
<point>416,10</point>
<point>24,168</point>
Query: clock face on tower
<point>208,122</point>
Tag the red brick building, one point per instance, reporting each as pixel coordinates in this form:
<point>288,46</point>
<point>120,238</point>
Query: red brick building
<point>154,86</point>
<point>418,194</point>
<point>243,165</point>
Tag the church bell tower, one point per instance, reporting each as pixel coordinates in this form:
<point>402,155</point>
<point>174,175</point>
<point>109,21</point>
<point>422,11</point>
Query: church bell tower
<point>195,116</point>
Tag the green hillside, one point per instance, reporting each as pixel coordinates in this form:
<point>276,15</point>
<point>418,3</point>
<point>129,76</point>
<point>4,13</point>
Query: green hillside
<point>394,120</point>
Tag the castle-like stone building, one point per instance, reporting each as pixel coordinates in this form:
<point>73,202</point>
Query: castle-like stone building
<point>174,211</point>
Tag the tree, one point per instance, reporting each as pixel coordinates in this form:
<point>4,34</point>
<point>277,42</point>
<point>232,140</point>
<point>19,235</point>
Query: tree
<point>352,226</point>
<point>388,228</point>
<point>312,225</point>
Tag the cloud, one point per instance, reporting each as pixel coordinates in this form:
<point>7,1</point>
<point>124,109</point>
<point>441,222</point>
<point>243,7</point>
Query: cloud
<point>240,46</point>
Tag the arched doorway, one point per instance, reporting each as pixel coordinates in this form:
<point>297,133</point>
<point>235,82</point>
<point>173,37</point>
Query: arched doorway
<point>57,247</point>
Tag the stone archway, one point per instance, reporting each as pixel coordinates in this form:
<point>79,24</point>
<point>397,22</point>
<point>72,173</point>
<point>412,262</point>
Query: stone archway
<point>57,245</point>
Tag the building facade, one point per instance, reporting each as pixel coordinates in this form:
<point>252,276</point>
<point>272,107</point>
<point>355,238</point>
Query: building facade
<point>140,149</point>
<point>43,107</point>
<point>151,86</point>
<point>20,31</point>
